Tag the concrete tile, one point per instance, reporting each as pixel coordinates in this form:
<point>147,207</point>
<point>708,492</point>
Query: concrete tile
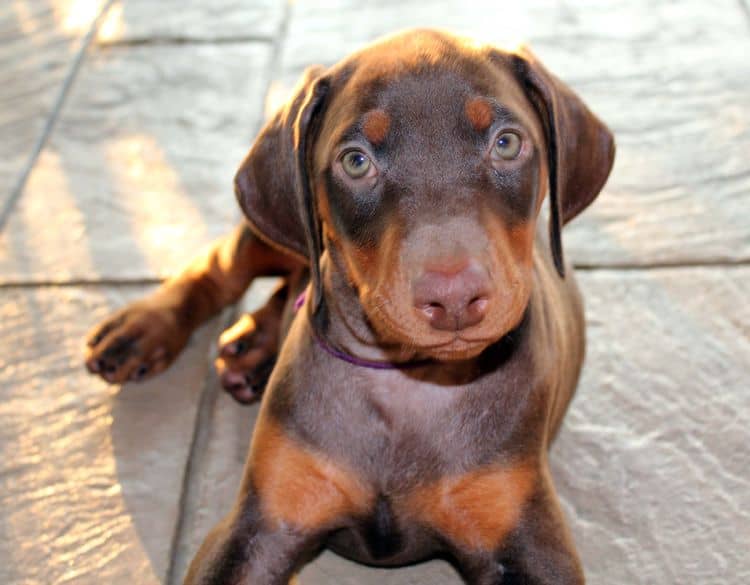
<point>665,76</point>
<point>90,475</point>
<point>40,39</point>
<point>138,175</point>
<point>652,462</point>
<point>194,20</point>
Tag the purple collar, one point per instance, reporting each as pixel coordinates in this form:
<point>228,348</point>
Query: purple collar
<point>352,359</point>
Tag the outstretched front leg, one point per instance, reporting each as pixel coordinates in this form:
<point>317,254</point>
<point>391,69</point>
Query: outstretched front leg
<point>242,549</point>
<point>143,338</point>
<point>542,551</point>
<point>533,544</point>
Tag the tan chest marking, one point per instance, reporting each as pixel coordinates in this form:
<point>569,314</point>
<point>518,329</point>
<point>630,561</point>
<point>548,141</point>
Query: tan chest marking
<point>299,487</point>
<point>476,510</point>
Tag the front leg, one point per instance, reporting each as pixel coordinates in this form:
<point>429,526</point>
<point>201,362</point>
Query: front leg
<point>291,497</point>
<point>507,528</point>
<point>146,336</point>
<point>246,549</point>
<point>541,550</point>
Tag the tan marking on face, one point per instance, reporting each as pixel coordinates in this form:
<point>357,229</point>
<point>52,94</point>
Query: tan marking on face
<point>375,126</point>
<point>521,242</point>
<point>299,487</point>
<point>479,112</point>
<point>377,273</point>
<point>372,266</point>
<point>476,510</point>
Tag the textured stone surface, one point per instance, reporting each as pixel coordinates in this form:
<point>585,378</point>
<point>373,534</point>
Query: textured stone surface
<point>90,475</point>
<point>195,20</point>
<point>138,175</point>
<point>653,460</point>
<point>39,42</point>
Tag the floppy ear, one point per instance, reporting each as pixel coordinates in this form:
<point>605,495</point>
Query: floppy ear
<point>272,184</point>
<point>580,148</point>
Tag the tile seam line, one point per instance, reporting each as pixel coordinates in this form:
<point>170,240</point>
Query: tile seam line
<point>652,266</point>
<point>49,124</point>
<point>201,431</point>
<point>168,41</point>
<point>210,387</point>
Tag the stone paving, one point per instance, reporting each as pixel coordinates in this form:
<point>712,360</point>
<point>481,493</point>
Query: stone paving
<point>122,123</point>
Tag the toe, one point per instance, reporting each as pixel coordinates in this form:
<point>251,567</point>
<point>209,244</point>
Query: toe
<point>235,340</point>
<point>98,333</point>
<point>232,380</point>
<point>245,395</point>
<point>139,373</point>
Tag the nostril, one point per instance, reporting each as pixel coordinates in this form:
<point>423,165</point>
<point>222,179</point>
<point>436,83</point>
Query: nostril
<point>433,310</point>
<point>478,303</point>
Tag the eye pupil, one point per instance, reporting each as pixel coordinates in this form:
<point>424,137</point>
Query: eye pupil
<point>356,164</point>
<point>508,145</point>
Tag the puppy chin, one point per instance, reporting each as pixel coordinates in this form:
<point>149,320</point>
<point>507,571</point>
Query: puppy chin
<point>456,351</point>
<point>414,343</point>
<point>411,339</point>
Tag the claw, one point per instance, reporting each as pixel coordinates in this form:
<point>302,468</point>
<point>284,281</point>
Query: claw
<point>139,373</point>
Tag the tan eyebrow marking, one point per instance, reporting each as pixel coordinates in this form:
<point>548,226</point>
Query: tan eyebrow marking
<point>375,126</point>
<point>479,112</point>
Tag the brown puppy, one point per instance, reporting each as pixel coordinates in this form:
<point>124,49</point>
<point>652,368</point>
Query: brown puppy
<point>440,341</point>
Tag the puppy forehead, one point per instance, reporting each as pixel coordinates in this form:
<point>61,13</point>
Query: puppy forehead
<point>374,102</point>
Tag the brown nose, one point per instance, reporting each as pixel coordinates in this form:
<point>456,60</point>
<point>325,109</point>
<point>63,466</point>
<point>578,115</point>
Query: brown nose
<point>453,298</point>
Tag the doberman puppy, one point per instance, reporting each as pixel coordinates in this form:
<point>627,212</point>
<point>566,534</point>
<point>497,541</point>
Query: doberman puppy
<point>440,335</point>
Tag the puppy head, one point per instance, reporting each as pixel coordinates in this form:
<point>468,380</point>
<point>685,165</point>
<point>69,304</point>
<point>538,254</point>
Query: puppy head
<point>422,162</point>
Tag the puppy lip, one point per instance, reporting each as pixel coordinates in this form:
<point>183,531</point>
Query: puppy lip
<point>460,341</point>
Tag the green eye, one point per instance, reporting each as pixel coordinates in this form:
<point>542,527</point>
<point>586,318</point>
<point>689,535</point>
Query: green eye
<point>507,145</point>
<point>356,164</point>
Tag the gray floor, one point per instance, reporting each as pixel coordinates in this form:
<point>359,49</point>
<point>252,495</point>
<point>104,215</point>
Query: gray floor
<point>117,151</point>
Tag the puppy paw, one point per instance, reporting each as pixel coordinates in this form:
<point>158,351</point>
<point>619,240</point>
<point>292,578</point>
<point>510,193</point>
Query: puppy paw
<point>247,354</point>
<point>135,343</point>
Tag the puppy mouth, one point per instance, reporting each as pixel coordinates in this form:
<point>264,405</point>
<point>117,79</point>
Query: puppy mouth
<point>444,345</point>
<point>459,347</point>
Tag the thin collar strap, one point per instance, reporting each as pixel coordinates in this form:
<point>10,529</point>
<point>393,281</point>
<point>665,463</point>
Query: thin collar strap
<point>354,360</point>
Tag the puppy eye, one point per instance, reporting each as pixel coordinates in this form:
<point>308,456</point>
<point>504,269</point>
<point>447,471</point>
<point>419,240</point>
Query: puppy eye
<point>507,145</point>
<point>356,164</point>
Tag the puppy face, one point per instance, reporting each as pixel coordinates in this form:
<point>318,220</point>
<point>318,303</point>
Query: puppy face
<point>423,160</point>
<point>429,172</point>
